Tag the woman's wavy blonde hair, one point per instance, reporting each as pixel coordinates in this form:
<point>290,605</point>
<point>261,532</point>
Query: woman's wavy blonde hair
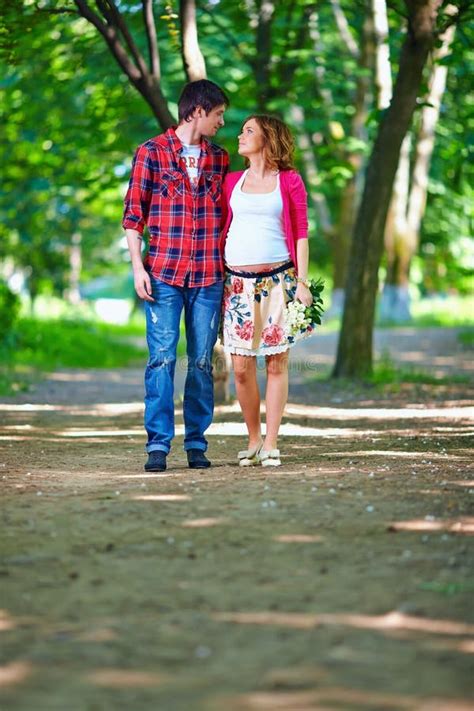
<point>279,144</point>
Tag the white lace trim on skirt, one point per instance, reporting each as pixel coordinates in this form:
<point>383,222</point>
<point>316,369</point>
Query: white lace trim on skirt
<point>270,350</point>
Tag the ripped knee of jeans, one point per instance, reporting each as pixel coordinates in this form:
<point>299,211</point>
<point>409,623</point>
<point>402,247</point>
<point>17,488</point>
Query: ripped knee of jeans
<point>203,363</point>
<point>162,359</point>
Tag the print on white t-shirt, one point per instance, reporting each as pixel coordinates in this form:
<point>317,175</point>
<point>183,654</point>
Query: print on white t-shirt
<point>190,155</point>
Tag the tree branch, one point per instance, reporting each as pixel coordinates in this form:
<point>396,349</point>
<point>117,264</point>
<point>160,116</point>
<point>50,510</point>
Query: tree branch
<point>112,39</point>
<point>193,60</point>
<point>140,78</point>
<point>343,26</point>
<point>55,10</point>
<point>115,18</point>
<point>228,35</point>
<point>455,17</point>
<point>150,28</point>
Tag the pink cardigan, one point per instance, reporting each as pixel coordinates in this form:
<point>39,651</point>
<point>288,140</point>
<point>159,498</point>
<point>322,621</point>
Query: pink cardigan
<point>295,210</point>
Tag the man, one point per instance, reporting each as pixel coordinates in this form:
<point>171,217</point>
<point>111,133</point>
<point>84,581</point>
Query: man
<point>175,189</point>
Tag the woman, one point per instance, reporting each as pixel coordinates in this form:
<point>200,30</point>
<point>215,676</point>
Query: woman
<point>266,254</point>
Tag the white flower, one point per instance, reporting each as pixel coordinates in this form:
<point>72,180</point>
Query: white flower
<point>295,318</point>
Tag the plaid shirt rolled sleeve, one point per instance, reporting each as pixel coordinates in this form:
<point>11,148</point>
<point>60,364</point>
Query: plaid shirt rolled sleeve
<point>138,198</point>
<point>183,219</point>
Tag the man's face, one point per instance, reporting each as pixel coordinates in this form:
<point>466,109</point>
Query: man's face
<point>209,124</point>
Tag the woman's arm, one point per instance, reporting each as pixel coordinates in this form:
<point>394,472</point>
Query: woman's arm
<point>299,219</point>
<point>298,205</point>
<point>303,293</point>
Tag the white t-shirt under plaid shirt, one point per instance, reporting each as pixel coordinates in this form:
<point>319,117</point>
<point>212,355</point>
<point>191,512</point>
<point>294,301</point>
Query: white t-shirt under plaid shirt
<point>190,154</point>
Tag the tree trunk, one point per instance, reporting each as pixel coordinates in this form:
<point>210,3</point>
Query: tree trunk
<point>261,65</point>
<point>395,298</point>
<point>403,227</point>
<point>150,89</point>
<point>383,72</point>
<point>311,170</point>
<point>75,265</point>
<point>426,138</point>
<point>354,356</point>
<point>322,91</point>
<point>193,60</point>
<point>343,27</point>
<point>351,193</point>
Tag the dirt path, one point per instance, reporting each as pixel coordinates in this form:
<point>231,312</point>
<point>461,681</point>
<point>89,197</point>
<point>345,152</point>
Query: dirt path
<point>340,581</point>
<point>436,351</point>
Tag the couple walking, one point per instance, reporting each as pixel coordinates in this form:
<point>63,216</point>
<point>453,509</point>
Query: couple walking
<point>229,249</point>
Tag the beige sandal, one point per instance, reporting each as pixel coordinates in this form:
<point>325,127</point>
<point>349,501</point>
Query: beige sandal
<point>270,457</point>
<point>250,457</point>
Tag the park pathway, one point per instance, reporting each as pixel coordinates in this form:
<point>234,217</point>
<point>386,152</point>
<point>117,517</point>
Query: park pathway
<point>339,581</point>
<point>436,351</point>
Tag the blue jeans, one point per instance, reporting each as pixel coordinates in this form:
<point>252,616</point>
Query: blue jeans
<point>201,312</point>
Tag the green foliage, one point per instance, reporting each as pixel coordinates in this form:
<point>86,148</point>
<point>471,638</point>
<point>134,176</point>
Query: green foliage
<point>316,310</point>
<point>445,255</point>
<point>467,338</point>
<point>70,132</point>
<point>72,121</point>
<point>43,345</point>
<point>385,372</point>
<point>448,588</point>
<point>448,311</point>
<point>9,310</point>
<point>72,344</point>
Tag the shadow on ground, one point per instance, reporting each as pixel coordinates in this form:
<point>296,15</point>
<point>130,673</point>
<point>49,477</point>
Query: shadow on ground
<point>339,581</point>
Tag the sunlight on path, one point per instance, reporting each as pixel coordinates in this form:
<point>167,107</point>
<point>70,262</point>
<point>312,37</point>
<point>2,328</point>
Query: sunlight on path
<point>336,413</point>
<point>391,621</point>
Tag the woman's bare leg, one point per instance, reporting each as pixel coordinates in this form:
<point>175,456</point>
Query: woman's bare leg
<point>246,386</point>
<point>276,396</point>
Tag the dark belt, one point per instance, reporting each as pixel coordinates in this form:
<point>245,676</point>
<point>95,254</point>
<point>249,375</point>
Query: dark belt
<point>271,272</point>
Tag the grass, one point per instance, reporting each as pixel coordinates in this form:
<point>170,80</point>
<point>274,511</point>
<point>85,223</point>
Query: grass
<point>467,337</point>
<point>385,372</point>
<point>448,588</point>
<point>445,312</point>
<point>61,337</point>
<point>449,312</point>
<point>38,345</point>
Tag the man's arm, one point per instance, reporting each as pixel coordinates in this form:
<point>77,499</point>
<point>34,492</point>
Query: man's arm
<point>141,278</point>
<point>137,205</point>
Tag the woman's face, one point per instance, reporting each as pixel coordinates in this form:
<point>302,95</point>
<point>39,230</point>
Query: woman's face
<point>251,139</point>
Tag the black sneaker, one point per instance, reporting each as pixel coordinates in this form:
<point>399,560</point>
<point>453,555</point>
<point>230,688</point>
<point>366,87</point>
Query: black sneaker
<point>197,459</point>
<point>156,461</point>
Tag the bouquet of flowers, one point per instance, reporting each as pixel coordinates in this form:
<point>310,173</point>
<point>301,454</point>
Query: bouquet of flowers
<point>300,318</point>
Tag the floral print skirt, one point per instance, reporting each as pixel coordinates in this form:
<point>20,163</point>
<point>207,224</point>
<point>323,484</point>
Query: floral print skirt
<point>253,311</point>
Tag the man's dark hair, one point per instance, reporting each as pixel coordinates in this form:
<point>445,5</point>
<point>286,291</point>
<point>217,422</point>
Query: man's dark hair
<point>200,93</point>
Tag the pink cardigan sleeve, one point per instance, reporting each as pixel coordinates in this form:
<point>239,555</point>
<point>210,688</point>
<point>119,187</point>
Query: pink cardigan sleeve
<point>298,206</point>
<point>230,181</point>
<point>224,202</point>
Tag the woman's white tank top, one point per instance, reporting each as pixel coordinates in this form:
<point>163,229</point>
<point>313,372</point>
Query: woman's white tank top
<point>256,234</point>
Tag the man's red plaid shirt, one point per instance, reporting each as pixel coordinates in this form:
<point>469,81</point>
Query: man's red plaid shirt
<point>183,220</point>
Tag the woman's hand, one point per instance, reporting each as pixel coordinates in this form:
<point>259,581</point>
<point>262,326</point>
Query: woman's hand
<point>303,294</point>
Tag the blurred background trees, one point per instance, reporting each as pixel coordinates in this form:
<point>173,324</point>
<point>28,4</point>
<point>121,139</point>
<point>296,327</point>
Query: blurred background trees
<point>83,83</point>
